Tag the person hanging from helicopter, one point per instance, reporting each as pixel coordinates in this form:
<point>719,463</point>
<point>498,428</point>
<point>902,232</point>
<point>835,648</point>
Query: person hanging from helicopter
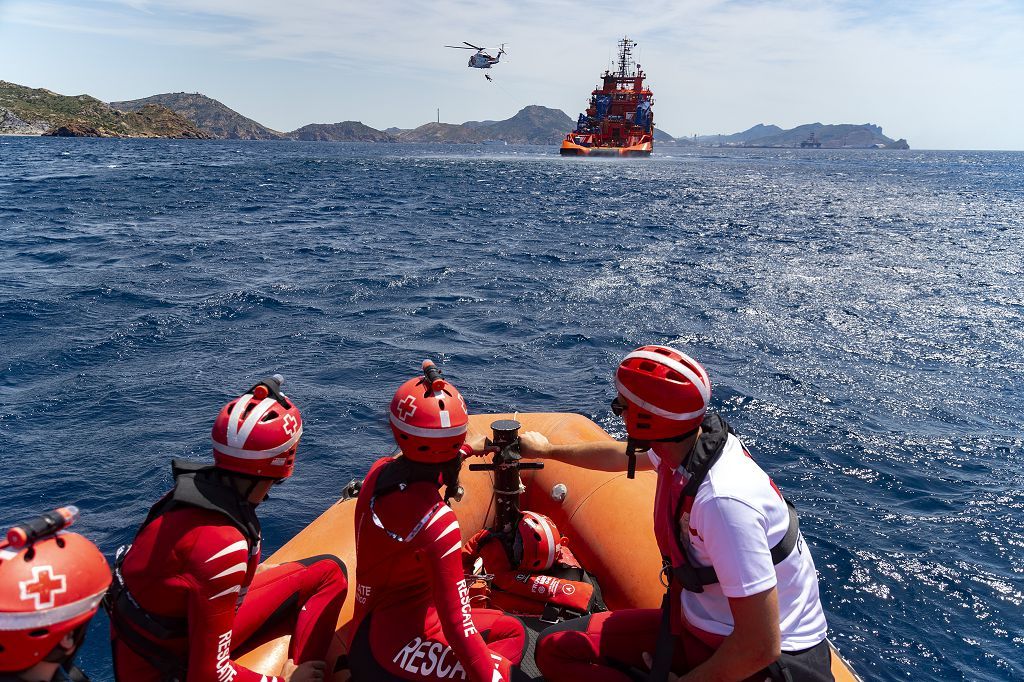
<point>51,585</point>
<point>480,60</point>
<point>413,619</point>
<point>190,589</point>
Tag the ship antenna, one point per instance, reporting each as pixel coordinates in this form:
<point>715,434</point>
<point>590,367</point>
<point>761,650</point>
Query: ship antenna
<point>625,56</point>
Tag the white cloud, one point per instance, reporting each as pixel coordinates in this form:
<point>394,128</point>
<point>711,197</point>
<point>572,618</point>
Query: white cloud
<point>942,70</point>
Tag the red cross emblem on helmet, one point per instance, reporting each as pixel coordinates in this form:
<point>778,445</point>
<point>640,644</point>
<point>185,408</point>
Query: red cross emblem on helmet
<point>407,408</point>
<point>43,587</point>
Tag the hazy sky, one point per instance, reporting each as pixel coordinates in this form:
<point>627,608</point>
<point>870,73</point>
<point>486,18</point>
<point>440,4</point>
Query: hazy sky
<point>944,75</point>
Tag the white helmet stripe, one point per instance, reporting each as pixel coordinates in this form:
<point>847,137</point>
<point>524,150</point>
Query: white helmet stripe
<point>700,380</point>
<point>654,409</point>
<point>548,535</point>
<point>428,433</point>
<point>238,434</point>
<point>41,619</point>
<point>242,453</point>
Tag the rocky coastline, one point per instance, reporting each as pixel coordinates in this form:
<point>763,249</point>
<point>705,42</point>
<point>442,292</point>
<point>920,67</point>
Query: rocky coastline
<point>194,116</point>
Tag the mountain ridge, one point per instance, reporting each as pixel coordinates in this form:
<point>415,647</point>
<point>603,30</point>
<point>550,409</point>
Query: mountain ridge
<point>209,114</point>
<point>30,111</point>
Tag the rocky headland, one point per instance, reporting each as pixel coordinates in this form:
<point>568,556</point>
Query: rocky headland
<point>36,111</point>
<point>217,119</point>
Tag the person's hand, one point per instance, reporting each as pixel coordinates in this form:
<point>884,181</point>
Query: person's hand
<point>265,567</point>
<point>533,444</point>
<point>479,445</point>
<point>649,662</point>
<point>310,671</point>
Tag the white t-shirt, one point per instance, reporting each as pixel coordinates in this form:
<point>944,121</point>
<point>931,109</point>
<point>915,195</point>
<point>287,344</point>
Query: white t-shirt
<point>739,517</point>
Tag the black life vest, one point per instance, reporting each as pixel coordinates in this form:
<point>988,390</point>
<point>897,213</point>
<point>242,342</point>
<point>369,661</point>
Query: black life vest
<point>195,485</point>
<point>706,453</point>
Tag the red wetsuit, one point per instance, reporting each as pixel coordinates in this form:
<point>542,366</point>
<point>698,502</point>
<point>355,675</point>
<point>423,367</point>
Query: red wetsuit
<point>194,572</point>
<point>412,616</point>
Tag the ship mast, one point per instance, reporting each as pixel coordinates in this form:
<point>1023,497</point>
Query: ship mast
<point>626,58</point>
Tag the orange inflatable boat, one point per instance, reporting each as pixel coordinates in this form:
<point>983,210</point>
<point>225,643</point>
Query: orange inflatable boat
<point>596,506</point>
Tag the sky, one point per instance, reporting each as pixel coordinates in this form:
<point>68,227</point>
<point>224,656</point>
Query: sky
<point>943,75</point>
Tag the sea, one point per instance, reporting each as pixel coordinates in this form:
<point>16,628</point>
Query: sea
<point>861,314</point>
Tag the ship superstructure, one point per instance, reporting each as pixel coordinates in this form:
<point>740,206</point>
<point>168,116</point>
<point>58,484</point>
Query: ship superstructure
<point>620,118</point>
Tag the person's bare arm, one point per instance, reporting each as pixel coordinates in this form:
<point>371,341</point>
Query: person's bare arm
<point>755,642</point>
<point>601,455</point>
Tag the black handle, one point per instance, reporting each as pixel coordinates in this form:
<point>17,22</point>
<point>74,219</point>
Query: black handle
<point>495,467</point>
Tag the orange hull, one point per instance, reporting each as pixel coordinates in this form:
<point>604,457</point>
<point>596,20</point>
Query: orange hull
<point>570,148</point>
<point>598,506</point>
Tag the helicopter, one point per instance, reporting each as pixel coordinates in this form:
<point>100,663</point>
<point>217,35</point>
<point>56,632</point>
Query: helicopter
<point>480,60</point>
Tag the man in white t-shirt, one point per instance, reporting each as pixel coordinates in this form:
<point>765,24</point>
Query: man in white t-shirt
<point>743,601</point>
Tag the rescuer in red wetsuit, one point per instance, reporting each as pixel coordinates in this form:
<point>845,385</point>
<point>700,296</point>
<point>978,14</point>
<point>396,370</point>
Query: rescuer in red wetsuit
<point>412,616</point>
<point>51,584</point>
<point>189,589</point>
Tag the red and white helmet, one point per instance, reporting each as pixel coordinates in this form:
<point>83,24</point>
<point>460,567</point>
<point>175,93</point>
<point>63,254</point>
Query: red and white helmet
<point>257,434</point>
<point>540,540</point>
<point>429,418</point>
<point>666,392</point>
<point>48,589</point>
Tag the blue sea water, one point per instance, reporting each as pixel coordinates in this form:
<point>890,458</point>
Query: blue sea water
<point>861,315</point>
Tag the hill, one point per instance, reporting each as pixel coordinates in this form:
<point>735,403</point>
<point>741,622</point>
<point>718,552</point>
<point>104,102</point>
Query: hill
<point>208,114</point>
<point>531,125</point>
<point>346,131</point>
<point>756,132</point>
<point>661,136</point>
<point>841,136</point>
<point>838,136</point>
<point>35,111</point>
<point>442,132</point>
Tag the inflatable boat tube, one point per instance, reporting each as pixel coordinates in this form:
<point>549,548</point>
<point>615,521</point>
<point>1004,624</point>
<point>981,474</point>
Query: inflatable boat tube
<point>607,517</point>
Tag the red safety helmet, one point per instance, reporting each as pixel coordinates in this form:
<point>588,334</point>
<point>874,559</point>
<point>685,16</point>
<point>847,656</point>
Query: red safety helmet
<point>539,538</point>
<point>429,418</point>
<point>666,392</point>
<point>48,589</point>
<point>257,434</point>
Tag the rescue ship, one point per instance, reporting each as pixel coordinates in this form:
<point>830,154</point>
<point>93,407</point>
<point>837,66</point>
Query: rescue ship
<point>605,516</point>
<point>619,120</point>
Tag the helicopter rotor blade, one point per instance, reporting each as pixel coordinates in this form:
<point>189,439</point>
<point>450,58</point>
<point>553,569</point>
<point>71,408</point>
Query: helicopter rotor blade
<point>459,47</point>
<point>473,46</point>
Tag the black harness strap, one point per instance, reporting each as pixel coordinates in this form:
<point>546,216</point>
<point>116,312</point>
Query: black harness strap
<point>693,577</point>
<point>664,646</point>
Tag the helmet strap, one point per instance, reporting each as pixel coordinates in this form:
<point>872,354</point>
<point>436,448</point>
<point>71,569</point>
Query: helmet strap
<point>634,446</point>
<point>450,477</point>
